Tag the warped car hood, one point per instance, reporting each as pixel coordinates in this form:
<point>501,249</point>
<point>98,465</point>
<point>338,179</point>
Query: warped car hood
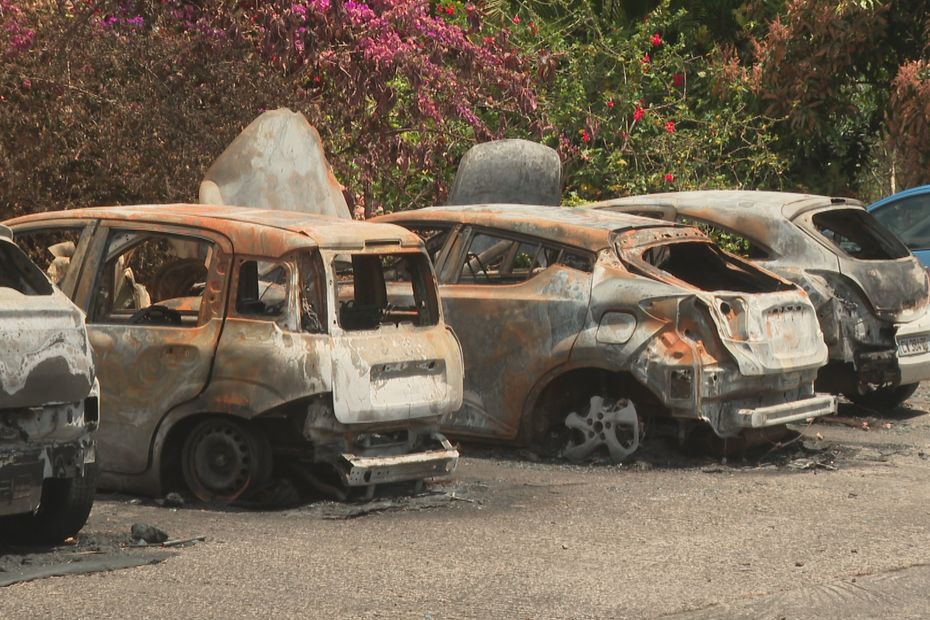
<point>277,162</point>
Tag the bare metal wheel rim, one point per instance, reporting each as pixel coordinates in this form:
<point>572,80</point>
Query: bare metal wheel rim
<point>220,463</point>
<point>608,423</point>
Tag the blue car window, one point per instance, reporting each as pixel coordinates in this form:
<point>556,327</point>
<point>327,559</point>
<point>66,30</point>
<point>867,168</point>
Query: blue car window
<point>909,218</point>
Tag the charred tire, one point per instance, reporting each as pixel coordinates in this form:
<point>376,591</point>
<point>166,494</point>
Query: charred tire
<point>884,398</point>
<point>224,459</point>
<point>63,511</point>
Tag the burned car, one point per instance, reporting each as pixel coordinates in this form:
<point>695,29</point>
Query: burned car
<point>870,292</point>
<point>234,342</point>
<point>48,406</point>
<point>577,325</point>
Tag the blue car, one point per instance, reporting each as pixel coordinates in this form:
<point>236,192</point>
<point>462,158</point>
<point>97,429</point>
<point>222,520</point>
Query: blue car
<point>907,214</point>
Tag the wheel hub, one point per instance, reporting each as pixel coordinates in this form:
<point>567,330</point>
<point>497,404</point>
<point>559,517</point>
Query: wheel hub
<point>221,460</point>
<point>608,423</point>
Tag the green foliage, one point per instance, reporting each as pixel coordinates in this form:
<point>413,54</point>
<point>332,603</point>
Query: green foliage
<point>633,110</point>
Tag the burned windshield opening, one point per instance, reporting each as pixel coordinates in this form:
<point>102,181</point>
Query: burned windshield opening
<point>385,289</point>
<point>859,235</point>
<point>704,266</point>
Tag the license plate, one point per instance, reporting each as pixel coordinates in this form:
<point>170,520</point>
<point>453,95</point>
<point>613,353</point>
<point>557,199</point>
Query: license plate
<point>914,345</point>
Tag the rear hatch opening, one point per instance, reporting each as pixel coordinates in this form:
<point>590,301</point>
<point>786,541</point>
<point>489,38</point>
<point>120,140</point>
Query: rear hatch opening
<point>858,234</point>
<point>703,266</point>
<point>384,288</point>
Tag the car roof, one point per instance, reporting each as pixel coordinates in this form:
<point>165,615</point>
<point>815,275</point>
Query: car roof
<point>256,231</point>
<point>914,191</point>
<point>733,204</point>
<point>578,226</point>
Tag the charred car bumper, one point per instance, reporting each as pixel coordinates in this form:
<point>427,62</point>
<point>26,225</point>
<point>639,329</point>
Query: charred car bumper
<point>358,470</point>
<point>784,413</point>
<point>730,402</point>
<point>22,472</point>
<point>55,441</point>
<point>368,455</point>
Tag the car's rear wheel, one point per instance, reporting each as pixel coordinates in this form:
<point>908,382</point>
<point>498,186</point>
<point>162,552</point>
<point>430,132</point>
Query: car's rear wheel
<point>883,398</point>
<point>62,512</point>
<point>604,427</point>
<point>224,459</point>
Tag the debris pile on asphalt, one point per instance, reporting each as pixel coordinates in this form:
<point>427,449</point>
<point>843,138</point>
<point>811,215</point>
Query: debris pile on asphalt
<point>143,533</point>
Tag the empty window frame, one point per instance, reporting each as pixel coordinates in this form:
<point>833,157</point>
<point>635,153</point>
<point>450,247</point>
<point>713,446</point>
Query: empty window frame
<point>494,259</point>
<point>262,289</point>
<point>434,237</point>
<point>856,233</point>
<point>381,289</point>
<point>151,279</point>
<point>312,280</point>
<point>704,266</point>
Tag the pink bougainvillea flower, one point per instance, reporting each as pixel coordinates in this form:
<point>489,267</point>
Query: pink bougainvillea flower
<point>670,126</point>
<point>516,19</point>
<point>646,58</point>
<point>27,83</point>
<point>610,103</point>
<point>450,10</point>
<point>639,114</point>
<point>678,80</point>
<point>656,40</point>
<point>669,177</point>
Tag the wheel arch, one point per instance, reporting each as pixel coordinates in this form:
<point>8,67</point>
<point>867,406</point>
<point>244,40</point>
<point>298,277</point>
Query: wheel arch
<point>174,427</point>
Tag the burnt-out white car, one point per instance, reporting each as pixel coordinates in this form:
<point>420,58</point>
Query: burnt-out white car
<point>870,292</point>
<point>578,324</point>
<point>234,343</point>
<point>48,406</point>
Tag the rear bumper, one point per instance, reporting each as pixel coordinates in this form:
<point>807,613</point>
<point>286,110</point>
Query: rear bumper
<point>25,469</point>
<point>359,471</point>
<point>914,368</point>
<point>783,413</point>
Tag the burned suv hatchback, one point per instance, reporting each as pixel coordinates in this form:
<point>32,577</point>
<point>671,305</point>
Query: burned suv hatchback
<point>577,324</point>
<point>48,406</point>
<point>233,343</point>
<point>870,292</point>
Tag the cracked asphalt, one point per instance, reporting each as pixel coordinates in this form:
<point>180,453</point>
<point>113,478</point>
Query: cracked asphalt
<point>834,526</point>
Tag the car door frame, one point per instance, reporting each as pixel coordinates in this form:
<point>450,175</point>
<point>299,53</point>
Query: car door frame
<point>184,349</point>
<point>452,264</point>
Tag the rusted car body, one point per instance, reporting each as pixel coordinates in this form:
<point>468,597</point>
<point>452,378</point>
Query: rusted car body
<point>574,323</point>
<point>233,341</point>
<point>48,406</point>
<point>870,292</point>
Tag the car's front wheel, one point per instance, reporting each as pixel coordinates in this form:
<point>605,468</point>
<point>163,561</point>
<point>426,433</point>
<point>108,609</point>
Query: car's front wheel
<point>62,512</point>
<point>883,398</point>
